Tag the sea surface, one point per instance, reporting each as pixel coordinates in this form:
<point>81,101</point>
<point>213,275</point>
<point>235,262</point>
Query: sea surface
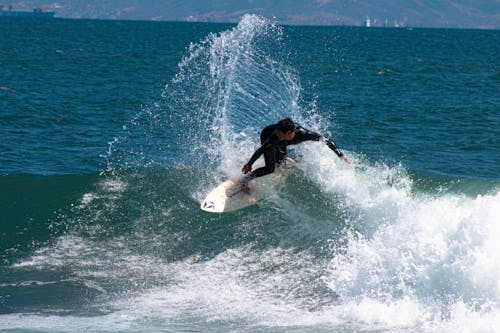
<point>112,132</point>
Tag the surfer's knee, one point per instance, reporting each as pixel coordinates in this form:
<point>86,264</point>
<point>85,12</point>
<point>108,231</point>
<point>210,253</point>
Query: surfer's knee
<point>269,169</point>
<point>264,170</point>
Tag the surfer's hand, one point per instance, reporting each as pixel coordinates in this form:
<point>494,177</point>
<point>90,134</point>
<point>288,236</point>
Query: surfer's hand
<point>345,159</point>
<point>246,169</point>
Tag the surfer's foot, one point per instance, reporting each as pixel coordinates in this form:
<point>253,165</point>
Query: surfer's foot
<point>244,188</point>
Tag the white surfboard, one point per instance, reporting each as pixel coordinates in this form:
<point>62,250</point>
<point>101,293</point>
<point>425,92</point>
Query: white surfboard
<point>229,196</point>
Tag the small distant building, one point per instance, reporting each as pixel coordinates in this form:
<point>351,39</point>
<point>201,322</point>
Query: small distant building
<point>368,22</point>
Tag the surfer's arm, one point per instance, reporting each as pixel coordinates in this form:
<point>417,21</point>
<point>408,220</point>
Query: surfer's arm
<point>269,142</point>
<point>313,136</point>
<point>248,167</point>
<point>332,146</point>
<point>335,149</point>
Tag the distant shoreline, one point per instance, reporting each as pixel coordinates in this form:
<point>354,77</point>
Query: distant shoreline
<point>408,28</point>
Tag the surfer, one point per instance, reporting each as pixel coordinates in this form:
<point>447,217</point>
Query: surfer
<point>274,139</point>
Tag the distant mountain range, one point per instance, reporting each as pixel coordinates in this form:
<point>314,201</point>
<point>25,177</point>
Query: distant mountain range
<point>482,14</point>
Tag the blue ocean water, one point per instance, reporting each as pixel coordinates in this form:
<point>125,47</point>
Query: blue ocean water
<point>113,131</point>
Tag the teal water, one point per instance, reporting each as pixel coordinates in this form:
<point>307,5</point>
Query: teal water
<point>113,131</point>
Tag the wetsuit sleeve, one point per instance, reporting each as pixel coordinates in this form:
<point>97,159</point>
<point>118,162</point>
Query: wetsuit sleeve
<point>333,147</point>
<point>255,156</point>
<point>268,143</point>
<point>306,135</point>
<point>302,134</point>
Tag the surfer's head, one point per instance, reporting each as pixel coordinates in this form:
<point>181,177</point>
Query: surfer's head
<point>286,129</point>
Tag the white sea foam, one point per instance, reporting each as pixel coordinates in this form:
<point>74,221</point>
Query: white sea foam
<point>432,267</point>
<point>412,260</point>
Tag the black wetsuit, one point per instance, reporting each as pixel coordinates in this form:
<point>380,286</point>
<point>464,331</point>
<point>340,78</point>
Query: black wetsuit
<point>274,150</point>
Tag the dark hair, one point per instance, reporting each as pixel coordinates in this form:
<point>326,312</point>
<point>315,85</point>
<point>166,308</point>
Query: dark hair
<point>285,125</point>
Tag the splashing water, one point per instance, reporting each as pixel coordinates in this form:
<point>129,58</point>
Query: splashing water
<point>228,87</point>
<point>238,88</point>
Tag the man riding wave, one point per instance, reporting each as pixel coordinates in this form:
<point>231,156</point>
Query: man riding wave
<point>274,141</point>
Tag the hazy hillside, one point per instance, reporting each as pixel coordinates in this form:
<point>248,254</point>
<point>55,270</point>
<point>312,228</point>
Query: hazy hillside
<point>420,13</point>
